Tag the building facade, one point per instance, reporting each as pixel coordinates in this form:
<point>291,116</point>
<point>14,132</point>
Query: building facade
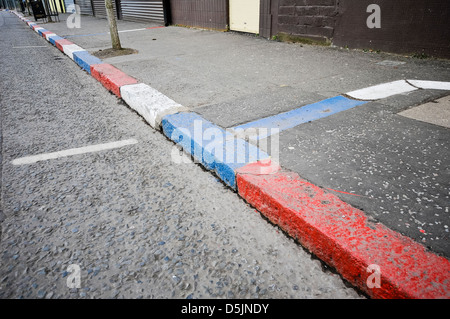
<point>400,26</point>
<point>413,27</point>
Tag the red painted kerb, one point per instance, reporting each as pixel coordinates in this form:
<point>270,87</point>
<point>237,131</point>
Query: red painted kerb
<point>111,77</point>
<point>60,43</point>
<point>44,34</point>
<point>344,238</point>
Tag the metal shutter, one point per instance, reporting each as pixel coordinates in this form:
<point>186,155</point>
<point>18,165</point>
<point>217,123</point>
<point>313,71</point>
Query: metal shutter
<point>85,6</point>
<point>100,10</point>
<point>67,3</point>
<point>142,10</point>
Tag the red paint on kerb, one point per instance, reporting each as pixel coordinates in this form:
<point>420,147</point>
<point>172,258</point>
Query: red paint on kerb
<point>59,44</point>
<point>344,238</point>
<point>111,77</point>
<point>44,34</point>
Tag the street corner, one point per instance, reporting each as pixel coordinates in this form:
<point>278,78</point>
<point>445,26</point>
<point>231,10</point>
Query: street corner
<point>356,171</point>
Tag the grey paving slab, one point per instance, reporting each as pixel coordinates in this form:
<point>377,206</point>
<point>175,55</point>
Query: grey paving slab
<point>273,100</point>
<point>202,68</point>
<point>435,112</point>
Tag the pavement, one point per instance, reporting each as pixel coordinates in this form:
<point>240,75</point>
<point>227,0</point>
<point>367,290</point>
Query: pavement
<point>386,157</point>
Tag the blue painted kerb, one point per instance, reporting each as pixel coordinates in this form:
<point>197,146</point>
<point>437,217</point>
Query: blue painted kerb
<point>210,145</point>
<point>85,60</point>
<point>54,38</point>
<point>42,31</point>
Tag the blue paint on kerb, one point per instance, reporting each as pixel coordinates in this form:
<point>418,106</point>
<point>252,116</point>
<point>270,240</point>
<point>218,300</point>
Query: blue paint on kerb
<point>42,31</point>
<point>302,115</point>
<point>54,38</point>
<point>212,146</point>
<point>85,60</point>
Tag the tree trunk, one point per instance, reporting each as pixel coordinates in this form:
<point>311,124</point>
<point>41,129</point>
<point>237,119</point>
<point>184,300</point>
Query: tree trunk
<point>112,25</point>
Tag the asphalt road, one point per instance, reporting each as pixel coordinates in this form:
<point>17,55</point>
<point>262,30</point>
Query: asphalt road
<point>135,223</point>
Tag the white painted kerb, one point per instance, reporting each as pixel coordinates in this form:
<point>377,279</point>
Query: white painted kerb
<point>69,49</point>
<point>47,36</point>
<point>151,104</point>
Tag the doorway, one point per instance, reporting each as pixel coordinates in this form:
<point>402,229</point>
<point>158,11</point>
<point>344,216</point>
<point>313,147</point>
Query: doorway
<point>244,15</point>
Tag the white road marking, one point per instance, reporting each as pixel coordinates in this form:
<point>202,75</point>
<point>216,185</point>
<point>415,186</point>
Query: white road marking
<point>30,46</point>
<point>74,151</point>
<point>382,91</point>
<point>436,85</point>
<point>132,30</point>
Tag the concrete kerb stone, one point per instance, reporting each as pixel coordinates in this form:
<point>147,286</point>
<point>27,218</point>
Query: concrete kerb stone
<point>44,34</point>
<point>41,31</point>
<point>85,60</point>
<point>48,35</point>
<point>71,48</point>
<point>151,104</point>
<point>211,146</point>
<point>111,77</point>
<point>61,43</point>
<point>344,238</point>
<point>53,38</point>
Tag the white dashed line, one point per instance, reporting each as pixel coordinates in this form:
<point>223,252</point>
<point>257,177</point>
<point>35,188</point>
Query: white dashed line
<point>74,151</point>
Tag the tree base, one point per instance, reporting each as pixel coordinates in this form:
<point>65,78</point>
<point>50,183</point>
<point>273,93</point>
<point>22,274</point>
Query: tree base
<point>110,53</point>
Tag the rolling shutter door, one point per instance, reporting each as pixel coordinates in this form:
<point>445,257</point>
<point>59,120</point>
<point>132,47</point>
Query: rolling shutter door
<point>142,10</point>
<point>100,10</point>
<point>85,6</point>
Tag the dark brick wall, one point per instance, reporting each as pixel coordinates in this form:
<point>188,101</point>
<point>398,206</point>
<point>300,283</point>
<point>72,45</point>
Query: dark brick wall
<point>407,26</point>
<point>314,19</point>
